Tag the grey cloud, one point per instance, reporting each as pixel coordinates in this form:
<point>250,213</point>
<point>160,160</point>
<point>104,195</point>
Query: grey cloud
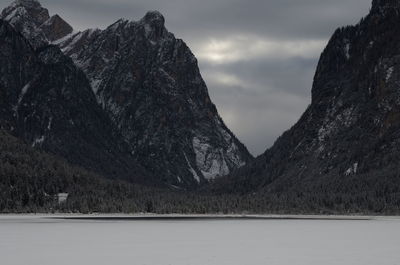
<point>257,118</point>
<point>292,75</point>
<point>276,95</point>
<point>284,18</point>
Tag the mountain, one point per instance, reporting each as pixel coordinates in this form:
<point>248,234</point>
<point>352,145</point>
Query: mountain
<point>345,149</point>
<point>148,84</point>
<point>47,101</point>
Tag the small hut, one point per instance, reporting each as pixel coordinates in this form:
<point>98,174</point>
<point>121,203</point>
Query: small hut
<point>62,197</point>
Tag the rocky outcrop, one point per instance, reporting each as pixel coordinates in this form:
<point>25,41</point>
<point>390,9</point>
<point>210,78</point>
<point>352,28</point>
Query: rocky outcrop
<point>55,28</point>
<point>35,23</point>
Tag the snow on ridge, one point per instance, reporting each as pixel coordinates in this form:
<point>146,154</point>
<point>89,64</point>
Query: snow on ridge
<point>95,84</point>
<point>16,12</point>
<point>352,170</point>
<point>194,173</point>
<point>232,152</point>
<point>21,96</point>
<point>66,37</point>
<point>147,30</point>
<point>216,169</point>
<point>38,141</point>
<point>344,119</point>
<point>24,90</point>
<point>74,38</point>
<point>389,73</point>
<point>50,123</point>
<point>347,50</point>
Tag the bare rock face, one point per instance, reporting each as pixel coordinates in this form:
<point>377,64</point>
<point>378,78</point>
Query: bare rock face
<point>56,28</point>
<point>382,5</point>
<point>35,23</point>
<point>347,142</point>
<point>149,85</point>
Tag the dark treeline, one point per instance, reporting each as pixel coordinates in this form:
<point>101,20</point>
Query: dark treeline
<point>30,179</point>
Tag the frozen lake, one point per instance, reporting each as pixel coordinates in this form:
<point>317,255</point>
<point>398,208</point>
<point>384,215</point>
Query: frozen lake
<point>29,240</point>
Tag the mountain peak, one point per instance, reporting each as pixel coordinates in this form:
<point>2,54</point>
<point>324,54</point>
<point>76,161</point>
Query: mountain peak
<point>154,24</point>
<point>27,3</point>
<point>30,10</point>
<point>56,28</point>
<point>154,18</point>
<point>35,23</point>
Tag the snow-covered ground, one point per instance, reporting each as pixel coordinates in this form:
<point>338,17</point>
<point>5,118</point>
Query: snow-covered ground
<point>36,240</point>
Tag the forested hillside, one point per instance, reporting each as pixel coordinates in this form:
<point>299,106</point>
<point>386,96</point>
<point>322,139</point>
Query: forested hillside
<point>30,180</point>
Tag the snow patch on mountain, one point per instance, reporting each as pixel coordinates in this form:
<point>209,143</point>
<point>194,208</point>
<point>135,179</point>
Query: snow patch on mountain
<point>389,73</point>
<point>352,170</point>
<point>38,141</point>
<point>23,92</point>
<point>209,160</point>
<point>194,173</point>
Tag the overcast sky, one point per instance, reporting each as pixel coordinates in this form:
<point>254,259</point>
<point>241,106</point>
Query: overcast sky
<point>258,57</point>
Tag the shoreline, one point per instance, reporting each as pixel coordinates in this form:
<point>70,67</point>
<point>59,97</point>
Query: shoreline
<point>192,217</point>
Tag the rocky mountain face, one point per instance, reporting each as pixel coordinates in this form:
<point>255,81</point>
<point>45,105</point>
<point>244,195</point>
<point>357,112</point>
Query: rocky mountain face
<point>347,143</point>
<point>149,86</point>
<point>35,23</point>
<point>47,101</point>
